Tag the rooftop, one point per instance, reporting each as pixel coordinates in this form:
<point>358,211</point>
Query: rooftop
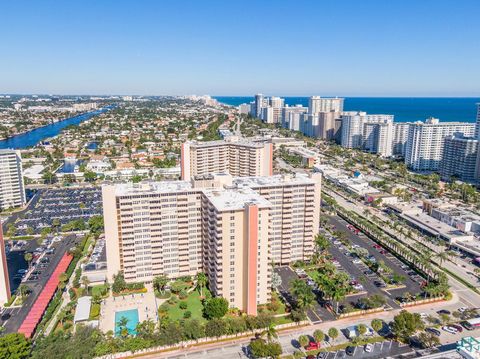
<point>122,189</point>
<point>234,199</point>
<point>299,178</point>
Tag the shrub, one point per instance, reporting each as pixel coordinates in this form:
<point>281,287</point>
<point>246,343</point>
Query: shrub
<point>183,305</point>
<point>183,294</point>
<point>187,314</point>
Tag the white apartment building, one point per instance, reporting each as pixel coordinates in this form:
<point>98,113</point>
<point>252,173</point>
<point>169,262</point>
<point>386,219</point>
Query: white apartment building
<point>378,134</point>
<point>245,108</point>
<point>424,149</point>
<point>477,123</point>
<point>400,137</point>
<point>232,155</point>
<point>459,159</point>
<point>12,189</point>
<point>291,116</point>
<point>352,129</point>
<point>230,228</point>
<point>4,277</point>
<point>318,104</point>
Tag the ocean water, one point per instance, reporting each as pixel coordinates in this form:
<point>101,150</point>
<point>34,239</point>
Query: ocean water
<point>405,109</point>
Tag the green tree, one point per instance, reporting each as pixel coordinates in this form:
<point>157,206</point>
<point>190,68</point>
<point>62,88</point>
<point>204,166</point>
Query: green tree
<point>405,324</point>
<point>333,333</point>
<point>23,290</point>
<point>302,293</point>
<point>193,329</point>
<point>28,258</point>
<point>319,335</point>
<point>160,282</point>
<point>95,224</point>
<point>362,329</point>
<point>202,280</point>
<point>14,346</point>
<point>270,332</point>
<point>216,308</point>
<point>428,340</point>
<point>303,340</point>
<point>215,328</point>
<point>261,349</point>
<point>377,324</point>
<point>90,176</point>
<point>85,282</point>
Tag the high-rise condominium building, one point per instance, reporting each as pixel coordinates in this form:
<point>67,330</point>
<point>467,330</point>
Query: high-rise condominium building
<point>459,159</point>
<point>230,228</point>
<point>400,137</point>
<point>12,189</point>
<point>318,104</point>
<point>352,129</point>
<point>244,108</point>
<point>477,123</point>
<point>291,116</point>
<point>260,102</point>
<point>233,155</point>
<point>4,278</point>
<point>424,149</point>
<point>378,134</point>
<point>373,133</point>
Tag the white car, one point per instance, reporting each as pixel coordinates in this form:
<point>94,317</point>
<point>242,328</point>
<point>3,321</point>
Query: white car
<point>368,348</point>
<point>462,309</point>
<point>450,330</point>
<point>423,315</point>
<point>357,261</point>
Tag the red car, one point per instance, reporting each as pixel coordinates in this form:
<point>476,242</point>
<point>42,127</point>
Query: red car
<point>312,346</point>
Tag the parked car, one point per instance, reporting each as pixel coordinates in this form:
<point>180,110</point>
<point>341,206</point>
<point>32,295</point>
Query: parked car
<point>433,331</point>
<point>462,309</point>
<point>322,355</point>
<point>350,350</point>
<point>444,311</point>
<point>457,327</point>
<point>312,346</point>
<point>467,325</point>
<point>368,347</point>
<point>449,329</point>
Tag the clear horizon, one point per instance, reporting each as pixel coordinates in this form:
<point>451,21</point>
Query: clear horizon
<point>149,48</point>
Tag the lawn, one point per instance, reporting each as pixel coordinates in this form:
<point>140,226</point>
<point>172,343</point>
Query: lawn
<point>194,305</point>
<point>99,289</point>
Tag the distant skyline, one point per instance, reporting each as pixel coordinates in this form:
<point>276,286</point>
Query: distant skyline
<point>345,48</point>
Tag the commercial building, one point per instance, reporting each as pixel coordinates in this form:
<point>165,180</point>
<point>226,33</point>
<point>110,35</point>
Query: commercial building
<point>12,189</point>
<point>459,159</point>
<point>233,155</point>
<point>230,228</point>
<point>424,149</point>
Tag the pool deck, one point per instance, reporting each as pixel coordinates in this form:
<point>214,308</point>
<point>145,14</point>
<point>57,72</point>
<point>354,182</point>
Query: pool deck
<point>145,303</point>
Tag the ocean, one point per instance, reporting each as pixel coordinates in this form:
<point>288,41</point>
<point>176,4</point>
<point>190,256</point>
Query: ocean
<point>405,109</point>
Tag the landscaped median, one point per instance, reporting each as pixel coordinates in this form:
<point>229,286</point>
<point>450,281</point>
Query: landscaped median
<point>199,342</point>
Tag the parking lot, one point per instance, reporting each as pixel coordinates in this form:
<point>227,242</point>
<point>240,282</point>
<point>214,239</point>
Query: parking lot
<point>11,318</point>
<point>411,280</point>
<point>366,281</point>
<point>378,350</point>
<point>64,205</point>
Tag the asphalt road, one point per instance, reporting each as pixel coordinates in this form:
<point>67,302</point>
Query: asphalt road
<point>12,318</point>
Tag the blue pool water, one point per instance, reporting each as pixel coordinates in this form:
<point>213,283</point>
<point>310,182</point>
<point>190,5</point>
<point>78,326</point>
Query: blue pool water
<point>132,317</point>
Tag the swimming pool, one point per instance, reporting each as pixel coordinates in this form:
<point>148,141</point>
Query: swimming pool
<point>132,320</point>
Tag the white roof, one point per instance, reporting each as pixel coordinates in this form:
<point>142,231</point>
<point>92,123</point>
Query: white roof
<point>82,313</point>
<point>234,199</point>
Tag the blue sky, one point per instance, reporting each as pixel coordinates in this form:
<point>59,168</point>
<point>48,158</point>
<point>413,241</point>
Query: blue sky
<point>302,47</point>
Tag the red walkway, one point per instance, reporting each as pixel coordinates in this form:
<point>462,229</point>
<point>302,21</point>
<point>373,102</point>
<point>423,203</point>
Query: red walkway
<point>36,312</point>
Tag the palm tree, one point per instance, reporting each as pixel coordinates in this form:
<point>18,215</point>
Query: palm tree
<point>85,282</point>
<point>202,280</point>
<point>159,282</point>
<point>23,290</point>
<point>122,324</point>
<point>442,256</point>
<point>302,292</point>
<point>270,332</point>
<point>28,257</point>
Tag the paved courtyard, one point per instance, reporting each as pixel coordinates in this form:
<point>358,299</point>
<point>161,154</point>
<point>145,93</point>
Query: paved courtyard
<point>145,303</point>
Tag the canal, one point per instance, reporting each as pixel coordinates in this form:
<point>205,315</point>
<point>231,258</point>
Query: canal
<point>31,138</point>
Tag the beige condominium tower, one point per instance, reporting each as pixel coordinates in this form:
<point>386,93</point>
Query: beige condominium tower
<point>234,155</point>
<point>230,228</point>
